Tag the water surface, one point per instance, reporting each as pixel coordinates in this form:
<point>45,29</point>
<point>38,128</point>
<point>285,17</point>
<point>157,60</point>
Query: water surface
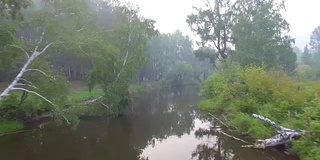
<point>167,126</point>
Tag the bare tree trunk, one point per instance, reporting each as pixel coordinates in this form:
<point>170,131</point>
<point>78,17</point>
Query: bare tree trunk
<point>284,137</point>
<point>19,86</point>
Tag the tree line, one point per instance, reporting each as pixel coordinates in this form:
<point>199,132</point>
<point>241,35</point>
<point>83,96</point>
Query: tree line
<point>45,44</point>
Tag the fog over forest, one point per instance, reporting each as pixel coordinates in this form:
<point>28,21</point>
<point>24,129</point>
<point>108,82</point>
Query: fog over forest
<point>148,79</point>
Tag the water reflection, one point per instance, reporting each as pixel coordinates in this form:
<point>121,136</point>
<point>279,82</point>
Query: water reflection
<point>167,126</point>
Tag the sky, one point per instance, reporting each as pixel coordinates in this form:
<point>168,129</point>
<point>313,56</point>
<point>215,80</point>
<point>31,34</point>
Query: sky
<point>170,15</point>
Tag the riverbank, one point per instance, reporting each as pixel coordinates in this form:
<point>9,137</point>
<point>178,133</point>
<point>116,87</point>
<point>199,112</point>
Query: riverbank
<point>80,93</point>
<point>164,127</point>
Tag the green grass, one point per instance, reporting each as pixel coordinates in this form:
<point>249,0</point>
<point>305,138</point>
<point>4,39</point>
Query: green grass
<point>10,126</point>
<point>82,95</point>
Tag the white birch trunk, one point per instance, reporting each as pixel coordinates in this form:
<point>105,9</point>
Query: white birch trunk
<point>14,85</point>
<point>284,137</point>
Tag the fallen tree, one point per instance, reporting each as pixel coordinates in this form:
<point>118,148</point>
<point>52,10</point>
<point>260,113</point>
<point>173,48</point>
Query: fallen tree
<point>285,137</point>
<point>21,84</point>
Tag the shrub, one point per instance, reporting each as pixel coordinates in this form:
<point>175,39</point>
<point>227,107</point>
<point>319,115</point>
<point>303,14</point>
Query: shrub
<point>238,92</point>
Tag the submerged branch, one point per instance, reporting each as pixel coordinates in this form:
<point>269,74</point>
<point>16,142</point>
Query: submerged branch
<point>227,126</point>
<point>232,137</point>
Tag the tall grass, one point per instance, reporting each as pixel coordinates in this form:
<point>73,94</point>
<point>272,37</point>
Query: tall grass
<point>10,126</point>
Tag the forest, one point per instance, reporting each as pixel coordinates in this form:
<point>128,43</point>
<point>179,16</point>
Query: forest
<point>252,76</point>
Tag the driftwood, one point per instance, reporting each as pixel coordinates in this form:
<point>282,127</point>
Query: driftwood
<point>286,136</point>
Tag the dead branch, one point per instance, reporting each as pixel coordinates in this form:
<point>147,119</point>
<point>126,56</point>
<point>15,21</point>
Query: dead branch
<point>232,137</point>
<point>20,49</point>
<point>274,124</point>
<point>218,120</point>
<point>28,85</point>
<point>14,83</point>
<point>38,70</point>
<point>221,122</point>
<point>285,136</point>
<point>44,98</point>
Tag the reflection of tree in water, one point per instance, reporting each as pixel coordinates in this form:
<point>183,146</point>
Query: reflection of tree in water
<point>215,150</point>
<point>164,113</point>
<point>160,114</point>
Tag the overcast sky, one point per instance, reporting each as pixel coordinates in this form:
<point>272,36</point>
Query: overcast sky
<point>303,15</point>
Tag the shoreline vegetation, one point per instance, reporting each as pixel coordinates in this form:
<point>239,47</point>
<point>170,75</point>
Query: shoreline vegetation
<point>238,92</point>
<point>80,93</point>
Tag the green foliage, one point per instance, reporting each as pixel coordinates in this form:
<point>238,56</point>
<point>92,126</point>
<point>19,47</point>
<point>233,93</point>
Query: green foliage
<point>181,71</point>
<point>83,95</point>
<point>245,123</point>
<point>306,56</point>
<point>8,54</point>
<point>239,92</point>
<point>139,90</point>
<point>315,39</point>
<point>10,126</point>
<point>12,8</point>
<point>172,60</point>
<point>213,24</point>
<point>26,106</point>
<point>255,27</point>
<point>259,36</point>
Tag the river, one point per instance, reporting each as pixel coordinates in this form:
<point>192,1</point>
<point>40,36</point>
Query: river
<point>167,126</point>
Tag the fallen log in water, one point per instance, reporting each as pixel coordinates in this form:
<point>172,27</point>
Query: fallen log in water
<point>285,136</point>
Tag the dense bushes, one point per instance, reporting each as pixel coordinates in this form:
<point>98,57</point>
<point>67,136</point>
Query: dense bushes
<point>238,92</point>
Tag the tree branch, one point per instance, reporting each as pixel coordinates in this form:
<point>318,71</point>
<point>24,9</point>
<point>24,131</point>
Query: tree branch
<point>232,137</point>
<point>22,79</point>
<point>44,98</point>
<point>21,84</point>
<point>285,136</point>
<point>38,70</point>
<point>20,49</point>
<point>274,124</point>
<point>41,38</point>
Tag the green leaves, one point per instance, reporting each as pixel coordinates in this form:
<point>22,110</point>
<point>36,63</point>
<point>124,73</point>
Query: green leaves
<point>213,24</point>
<point>315,39</point>
<point>255,28</point>
<point>237,92</point>
<point>12,8</point>
<point>259,36</point>
<point>7,38</point>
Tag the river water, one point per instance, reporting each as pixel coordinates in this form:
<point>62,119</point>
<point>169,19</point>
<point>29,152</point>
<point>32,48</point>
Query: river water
<point>167,126</point>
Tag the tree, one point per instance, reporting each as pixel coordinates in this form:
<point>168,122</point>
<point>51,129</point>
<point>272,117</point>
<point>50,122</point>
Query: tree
<point>315,39</point>
<point>57,28</point>
<point>164,51</point>
<point>207,53</point>
<point>213,24</point>
<point>115,71</point>
<point>12,8</point>
<point>298,53</point>
<point>259,35</point>
<point>306,56</point>
<point>182,70</point>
